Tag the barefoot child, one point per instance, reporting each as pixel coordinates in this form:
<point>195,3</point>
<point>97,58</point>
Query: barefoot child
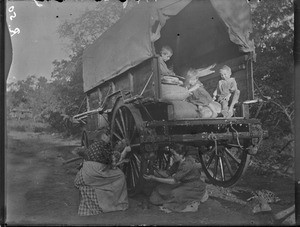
<point>227,86</point>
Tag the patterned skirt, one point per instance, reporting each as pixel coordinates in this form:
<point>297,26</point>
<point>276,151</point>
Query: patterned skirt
<point>102,189</point>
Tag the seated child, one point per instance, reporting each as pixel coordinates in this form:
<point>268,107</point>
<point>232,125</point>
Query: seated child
<point>166,73</point>
<point>198,94</point>
<point>226,87</point>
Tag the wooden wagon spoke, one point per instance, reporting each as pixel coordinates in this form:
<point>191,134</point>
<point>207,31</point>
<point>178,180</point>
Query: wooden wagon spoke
<point>228,165</point>
<point>126,115</point>
<point>137,159</point>
<point>232,156</point>
<point>116,135</point>
<point>135,145</point>
<point>221,168</point>
<point>120,128</point>
<point>125,129</point>
<point>133,133</point>
<point>138,166</point>
<point>210,160</point>
<point>216,167</point>
<point>130,122</point>
<point>135,168</point>
<point>132,174</point>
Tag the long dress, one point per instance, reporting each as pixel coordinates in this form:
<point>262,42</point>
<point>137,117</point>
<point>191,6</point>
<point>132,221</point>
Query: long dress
<point>102,188</point>
<point>189,188</point>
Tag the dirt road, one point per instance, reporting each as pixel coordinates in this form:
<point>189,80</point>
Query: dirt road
<point>39,190</point>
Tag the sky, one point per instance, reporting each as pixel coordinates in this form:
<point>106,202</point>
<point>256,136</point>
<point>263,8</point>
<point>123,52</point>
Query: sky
<point>38,43</point>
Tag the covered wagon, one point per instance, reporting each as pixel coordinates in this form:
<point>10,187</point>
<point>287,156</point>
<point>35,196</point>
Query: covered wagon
<point>125,93</point>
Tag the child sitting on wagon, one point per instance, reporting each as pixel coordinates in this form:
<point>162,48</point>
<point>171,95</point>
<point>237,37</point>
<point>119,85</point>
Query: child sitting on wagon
<point>227,86</point>
<point>198,94</point>
<point>167,74</point>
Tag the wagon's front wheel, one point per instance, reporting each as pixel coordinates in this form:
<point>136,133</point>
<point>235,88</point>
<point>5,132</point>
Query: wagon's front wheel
<point>125,125</point>
<point>224,164</point>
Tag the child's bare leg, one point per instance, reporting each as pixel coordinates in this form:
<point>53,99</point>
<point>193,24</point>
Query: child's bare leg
<point>213,110</point>
<point>235,99</point>
<point>224,104</point>
<point>224,111</point>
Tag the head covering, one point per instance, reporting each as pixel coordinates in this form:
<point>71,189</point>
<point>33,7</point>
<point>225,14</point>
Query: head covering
<point>100,151</point>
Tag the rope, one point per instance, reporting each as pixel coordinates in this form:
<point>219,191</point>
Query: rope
<point>237,135</point>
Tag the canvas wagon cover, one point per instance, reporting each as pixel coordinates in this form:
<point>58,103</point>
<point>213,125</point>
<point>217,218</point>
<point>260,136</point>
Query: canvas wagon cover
<point>130,41</point>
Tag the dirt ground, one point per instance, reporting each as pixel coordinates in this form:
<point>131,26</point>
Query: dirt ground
<point>39,190</point>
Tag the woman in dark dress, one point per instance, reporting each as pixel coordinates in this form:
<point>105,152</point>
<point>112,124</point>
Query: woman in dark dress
<point>180,188</point>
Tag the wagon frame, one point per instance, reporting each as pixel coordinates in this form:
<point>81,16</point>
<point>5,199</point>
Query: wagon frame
<point>130,103</point>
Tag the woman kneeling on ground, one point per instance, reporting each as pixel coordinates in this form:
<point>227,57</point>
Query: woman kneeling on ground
<point>101,184</point>
<point>180,188</point>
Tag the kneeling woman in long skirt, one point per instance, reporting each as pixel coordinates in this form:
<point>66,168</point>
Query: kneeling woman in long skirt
<point>102,187</point>
<point>180,189</point>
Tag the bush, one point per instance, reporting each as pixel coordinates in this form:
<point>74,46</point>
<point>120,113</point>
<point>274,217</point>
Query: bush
<point>56,121</point>
<point>63,124</point>
<point>20,128</point>
<point>38,129</point>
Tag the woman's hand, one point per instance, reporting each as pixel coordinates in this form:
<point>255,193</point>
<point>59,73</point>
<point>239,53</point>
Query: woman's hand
<point>127,149</point>
<point>148,177</point>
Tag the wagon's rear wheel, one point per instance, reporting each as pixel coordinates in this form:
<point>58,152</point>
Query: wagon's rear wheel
<point>224,164</point>
<point>84,140</point>
<point>125,124</point>
<point>162,160</point>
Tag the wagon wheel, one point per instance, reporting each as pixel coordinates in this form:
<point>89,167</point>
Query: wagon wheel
<point>163,161</point>
<point>224,164</point>
<point>125,124</point>
<point>84,140</point>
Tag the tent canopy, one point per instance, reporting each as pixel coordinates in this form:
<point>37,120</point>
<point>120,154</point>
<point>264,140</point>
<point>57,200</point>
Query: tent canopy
<point>200,32</point>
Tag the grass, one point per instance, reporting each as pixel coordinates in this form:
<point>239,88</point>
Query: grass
<point>27,125</point>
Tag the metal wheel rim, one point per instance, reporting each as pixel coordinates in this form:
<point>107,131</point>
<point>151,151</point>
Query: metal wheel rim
<point>124,127</point>
<point>225,165</point>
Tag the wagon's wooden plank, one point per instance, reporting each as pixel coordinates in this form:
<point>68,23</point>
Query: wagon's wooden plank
<point>197,121</point>
<point>194,138</point>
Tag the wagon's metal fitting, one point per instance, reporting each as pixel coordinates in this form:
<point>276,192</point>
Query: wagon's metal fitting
<point>212,136</point>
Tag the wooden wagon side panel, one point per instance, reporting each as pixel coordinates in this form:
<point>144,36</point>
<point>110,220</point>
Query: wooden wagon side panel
<point>140,76</point>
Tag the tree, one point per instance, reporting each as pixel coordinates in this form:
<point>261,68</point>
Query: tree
<point>67,82</point>
<point>32,93</point>
<point>88,27</point>
<point>273,33</point>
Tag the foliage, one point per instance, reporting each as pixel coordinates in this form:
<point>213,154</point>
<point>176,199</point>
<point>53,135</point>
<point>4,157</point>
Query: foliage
<point>57,100</point>
<point>87,28</point>
<point>67,73</point>
<point>32,93</point>
<point>274,157</point>
<point>273,33</point>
